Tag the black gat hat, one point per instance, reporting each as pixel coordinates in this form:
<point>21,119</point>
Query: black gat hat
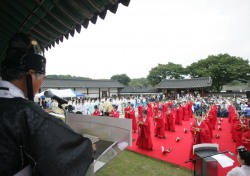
<point>24,52</point>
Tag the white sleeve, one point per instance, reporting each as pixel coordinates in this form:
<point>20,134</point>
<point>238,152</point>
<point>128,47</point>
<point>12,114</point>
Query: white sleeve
<point>235,172</point>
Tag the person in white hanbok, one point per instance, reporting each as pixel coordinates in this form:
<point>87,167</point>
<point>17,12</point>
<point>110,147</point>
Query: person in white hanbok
<point>85,107</point>
<point>243,158</point>
<point>91,107</point>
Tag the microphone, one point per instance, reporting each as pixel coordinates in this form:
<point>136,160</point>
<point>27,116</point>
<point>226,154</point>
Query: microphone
<point>230,153</point>
<point>53,96</point>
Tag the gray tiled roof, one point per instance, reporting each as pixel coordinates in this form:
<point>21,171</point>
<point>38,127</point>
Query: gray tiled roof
<point>70,83</point>
<point>136,89</point>
<point>201,82</point>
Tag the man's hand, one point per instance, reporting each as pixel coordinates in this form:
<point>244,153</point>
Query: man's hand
<point>94,147</point>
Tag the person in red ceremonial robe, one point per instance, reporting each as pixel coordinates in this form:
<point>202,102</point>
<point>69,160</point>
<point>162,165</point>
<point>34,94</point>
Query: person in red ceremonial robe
<point>190,109</point>
<point>206,121</point>
<point>174,110</point>
<point>200,133</point>
<point>240,126</point>
<point>140,108</point>
<point>169,120</point>
<point>96,111</point>
<point>230,111</point>
<point>144,139</point>
<point>211,117</point>
<point>179,114</point>
<point>214,112</point>
<point>234,117</point>
<point>156,107</point>
<point>160,125</point>
<point>150,109</point>
<point>127,110</point>
<point>245,139</point>
<point>133,118</point>
<point>186,112</point>
<point>114,113</point>
<point>164,107</point>
<point>170,103</point>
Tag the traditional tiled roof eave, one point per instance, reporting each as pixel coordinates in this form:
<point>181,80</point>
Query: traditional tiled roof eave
<point>192,83</point>
<point>50,22</point>
<point>69,83</point>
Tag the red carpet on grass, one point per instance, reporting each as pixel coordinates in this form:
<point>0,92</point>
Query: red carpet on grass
<point>180,153</point>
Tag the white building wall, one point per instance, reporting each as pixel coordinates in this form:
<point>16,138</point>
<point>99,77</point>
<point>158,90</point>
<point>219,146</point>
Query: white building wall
<point>113,92</point>
<point>92,92</point>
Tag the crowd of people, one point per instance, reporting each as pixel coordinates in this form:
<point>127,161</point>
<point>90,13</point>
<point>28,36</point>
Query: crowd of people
<point>206,114</point>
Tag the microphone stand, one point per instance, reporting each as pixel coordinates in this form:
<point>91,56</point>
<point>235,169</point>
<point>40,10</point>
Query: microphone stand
<point>200,158</point>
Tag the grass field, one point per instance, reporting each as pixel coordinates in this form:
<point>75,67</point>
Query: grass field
<point>129,163</point>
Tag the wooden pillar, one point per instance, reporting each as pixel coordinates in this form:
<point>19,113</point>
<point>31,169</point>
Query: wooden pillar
<point>99,90</point>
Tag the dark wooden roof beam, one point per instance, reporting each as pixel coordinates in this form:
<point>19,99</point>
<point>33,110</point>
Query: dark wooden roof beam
<point>98,7</point>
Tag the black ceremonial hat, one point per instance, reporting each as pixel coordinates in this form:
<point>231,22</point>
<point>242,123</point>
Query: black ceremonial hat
<point>25,53</point>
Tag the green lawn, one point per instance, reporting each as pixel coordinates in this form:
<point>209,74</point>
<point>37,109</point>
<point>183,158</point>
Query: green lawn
<point>129,163</point>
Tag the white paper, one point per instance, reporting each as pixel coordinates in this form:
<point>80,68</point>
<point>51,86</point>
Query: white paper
<point>224,160</point>
<point>122,145</point>
<point>98,165</point>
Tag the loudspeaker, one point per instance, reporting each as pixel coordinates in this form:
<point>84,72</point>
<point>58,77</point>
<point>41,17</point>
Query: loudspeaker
<point>248,94</point>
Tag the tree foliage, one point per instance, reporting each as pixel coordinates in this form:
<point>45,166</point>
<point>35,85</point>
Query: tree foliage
<point>165,71</point>
<point>140,82</point>
<point>222,68</point>
<point>67,77</point>
<point>122,78</point>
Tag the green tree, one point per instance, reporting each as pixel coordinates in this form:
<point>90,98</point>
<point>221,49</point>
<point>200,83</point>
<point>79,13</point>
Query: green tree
<point>122,78</point>
<point>67,77</point>
<point>163,71</point>
<point>222,68</point>
<point>142,82</point>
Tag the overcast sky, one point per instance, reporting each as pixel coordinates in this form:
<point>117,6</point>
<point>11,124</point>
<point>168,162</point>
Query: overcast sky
<point>147,32</point>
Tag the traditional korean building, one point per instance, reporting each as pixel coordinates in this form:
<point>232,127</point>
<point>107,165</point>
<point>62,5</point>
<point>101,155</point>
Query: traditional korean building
<point>91,88</point>
<point>174,88</point>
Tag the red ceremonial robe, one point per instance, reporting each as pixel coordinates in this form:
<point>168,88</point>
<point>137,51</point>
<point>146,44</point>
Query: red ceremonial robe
<point>140,108</point>
<point>150,110</point>
<point>144,139</point>
<point>190,110</point>
<point>169,121</point>
<point>160,125</point>
<point>245,140</point>
<point>96,113</point>
<point>199,137</point>
<point>127,111</point>
<point>186,113</point>
<point>206,121</point>
<point>164,106</point>
<point>114,113</point>
<point>211,118</point>
<point>179,115</point>
<point>238,129</point>
<point>133,118</point>
<point>230,111</point>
